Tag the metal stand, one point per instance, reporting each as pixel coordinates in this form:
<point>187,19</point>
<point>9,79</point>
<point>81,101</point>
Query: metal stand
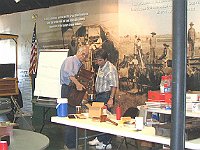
<point>85,138</point>
<point>20,113</point>
<point>127,143</point>
<point>45,111</point>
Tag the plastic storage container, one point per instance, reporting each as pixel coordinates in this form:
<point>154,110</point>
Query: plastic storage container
<point>3,145</point>
<point>62,107</point>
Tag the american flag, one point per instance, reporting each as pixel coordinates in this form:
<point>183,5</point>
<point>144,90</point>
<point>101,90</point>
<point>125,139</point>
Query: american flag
<point>34,54</point>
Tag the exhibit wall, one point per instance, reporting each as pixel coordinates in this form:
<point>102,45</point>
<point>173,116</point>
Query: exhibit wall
<point>130,25</point>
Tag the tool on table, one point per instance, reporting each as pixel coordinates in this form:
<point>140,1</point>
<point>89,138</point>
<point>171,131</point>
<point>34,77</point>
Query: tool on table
<point>104,118</point>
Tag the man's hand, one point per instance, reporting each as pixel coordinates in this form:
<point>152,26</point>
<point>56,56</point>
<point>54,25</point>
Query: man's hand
<point>79,87</point>
<point>110,103</point>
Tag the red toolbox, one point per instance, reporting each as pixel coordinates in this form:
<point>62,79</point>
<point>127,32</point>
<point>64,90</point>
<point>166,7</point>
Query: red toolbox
<point>156,96</point>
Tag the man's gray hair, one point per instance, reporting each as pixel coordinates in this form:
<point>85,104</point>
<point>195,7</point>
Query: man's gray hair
<point>82,49</point>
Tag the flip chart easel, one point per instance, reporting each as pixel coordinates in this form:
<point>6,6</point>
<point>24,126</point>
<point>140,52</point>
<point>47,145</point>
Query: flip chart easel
<point>47,82</point>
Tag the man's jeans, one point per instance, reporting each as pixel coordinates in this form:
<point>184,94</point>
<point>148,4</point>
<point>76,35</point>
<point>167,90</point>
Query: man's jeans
<point>104,97</point>
<point>69,131</point>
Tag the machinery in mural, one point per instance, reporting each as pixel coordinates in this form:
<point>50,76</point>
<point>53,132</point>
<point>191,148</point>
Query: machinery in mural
<point>140,73</point>
<point>137,71</point>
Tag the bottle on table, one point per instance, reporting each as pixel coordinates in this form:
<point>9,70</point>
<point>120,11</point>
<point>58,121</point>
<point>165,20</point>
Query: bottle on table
<point>118,112</point>
<point>165,85</point>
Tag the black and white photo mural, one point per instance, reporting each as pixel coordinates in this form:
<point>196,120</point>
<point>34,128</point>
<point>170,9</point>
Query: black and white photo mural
<point>136,33</point>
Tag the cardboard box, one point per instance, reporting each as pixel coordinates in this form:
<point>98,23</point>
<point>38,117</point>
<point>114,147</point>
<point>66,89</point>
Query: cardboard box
<point>168,98</point>
<point>193,106</point>
<point>95,110</point>
<point>156,96</point>
<point>196,107</point>
<point>193,96</point>
<point>189,106</point>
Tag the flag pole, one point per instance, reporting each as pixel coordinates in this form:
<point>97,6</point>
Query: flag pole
<point>34,56</point>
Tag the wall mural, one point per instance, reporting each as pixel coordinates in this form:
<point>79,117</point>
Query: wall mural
<point>149,33</point>
<point>136,33</point>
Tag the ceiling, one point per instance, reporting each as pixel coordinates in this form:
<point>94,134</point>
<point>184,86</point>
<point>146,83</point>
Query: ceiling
<point>10,6</point>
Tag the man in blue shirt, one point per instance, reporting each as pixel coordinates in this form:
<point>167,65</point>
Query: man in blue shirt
<point>68,71</point>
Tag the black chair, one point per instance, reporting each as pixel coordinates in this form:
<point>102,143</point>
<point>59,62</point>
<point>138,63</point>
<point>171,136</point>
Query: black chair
<point>130,112</point>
